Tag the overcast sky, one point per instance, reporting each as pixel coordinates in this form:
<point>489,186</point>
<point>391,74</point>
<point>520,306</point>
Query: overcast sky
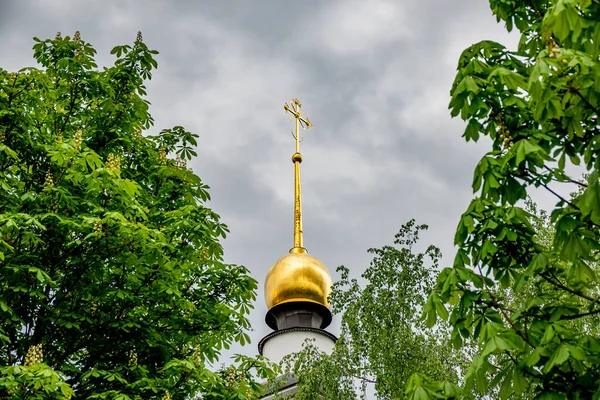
<point>373,76</point>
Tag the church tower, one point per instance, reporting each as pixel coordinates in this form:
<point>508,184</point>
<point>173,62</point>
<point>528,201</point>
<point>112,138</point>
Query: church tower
<point>298,284</point>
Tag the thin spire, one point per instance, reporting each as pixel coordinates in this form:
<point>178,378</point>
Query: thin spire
<point>297,114</point>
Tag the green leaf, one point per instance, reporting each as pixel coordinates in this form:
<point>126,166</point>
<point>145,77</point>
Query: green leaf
<point>519,382</point>
<point>533,358</point>
<point>590,200</point>
<point>548,335</point>
<point>560,355</point>
<point>439,307</point>
<point>523,148</point>
<point>497,344</point>
<point>506,387</point>
<point>510,78</point>
<point>467,85</point>
<point>575,247</point>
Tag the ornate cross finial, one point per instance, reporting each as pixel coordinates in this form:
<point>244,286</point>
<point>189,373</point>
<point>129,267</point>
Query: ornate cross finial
<point>294,109</point>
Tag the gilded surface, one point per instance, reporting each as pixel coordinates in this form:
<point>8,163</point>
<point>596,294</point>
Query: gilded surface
<point>297,277</point>
<point>305,123</point>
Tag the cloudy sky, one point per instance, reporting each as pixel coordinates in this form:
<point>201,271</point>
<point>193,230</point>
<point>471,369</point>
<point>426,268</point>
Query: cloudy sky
<point>373,76</point>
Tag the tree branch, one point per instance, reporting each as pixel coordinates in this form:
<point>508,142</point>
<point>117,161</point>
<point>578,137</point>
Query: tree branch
<point>576,316</point>
<point>568,178</point>
<point>532,4</point>
<point>575,90</point>
<point>557,283</point>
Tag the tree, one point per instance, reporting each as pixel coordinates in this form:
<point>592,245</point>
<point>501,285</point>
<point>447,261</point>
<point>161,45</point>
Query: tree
<point>544,237</point>
<point>112,280</point>
<point>540,106</point>
<point>382,340</point>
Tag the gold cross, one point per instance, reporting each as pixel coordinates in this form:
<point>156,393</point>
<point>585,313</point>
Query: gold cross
<point>294,109</point>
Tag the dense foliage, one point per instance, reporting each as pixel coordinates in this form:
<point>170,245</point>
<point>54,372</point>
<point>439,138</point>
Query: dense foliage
<point>540,106</point>
<point>112,283</point>
<point>382,340</point>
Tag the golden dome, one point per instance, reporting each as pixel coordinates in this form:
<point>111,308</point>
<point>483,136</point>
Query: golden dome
<point>297,276</point>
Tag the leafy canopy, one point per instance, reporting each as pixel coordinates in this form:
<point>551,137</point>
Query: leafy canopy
<point>540,106</point>
<point>112,281</point>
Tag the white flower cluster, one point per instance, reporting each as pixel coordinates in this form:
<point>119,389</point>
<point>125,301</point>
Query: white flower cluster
<point>162,156</point>
<point>167,396</point>
<point>504,133</point>
<point>34,355</point>
<point>204,254</point>
<point>552,47</point>
<point>231,376</point>
<point>49,180</point>
<point>77,140</point>
<point>97,226</point>
<point>133,358</point>
<point>113,162</point>
<point>554,52</point>
<point>181,164</point>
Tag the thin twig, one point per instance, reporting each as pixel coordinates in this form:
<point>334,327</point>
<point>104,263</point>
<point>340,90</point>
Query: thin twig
<point>568,178</point>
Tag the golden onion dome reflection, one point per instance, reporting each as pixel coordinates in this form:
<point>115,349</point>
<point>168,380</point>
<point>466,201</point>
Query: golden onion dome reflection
<point>297,277</point>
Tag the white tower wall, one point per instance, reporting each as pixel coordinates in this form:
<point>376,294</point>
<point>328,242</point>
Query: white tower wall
<point>290,341</point>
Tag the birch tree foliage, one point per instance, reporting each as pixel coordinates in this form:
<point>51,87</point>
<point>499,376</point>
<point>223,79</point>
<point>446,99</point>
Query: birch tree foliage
<point>382,339</point>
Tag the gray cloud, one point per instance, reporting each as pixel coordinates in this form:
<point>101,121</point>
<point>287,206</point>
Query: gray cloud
<point>374,77</point>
